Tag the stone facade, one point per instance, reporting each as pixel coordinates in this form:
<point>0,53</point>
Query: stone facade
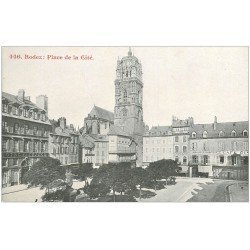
<point>25,135</point>
<point>218,150</point>
<point>64,142</point>
<point>129,100</point>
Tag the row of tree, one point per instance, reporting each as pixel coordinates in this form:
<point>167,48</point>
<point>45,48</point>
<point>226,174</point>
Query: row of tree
<point>108,179</point>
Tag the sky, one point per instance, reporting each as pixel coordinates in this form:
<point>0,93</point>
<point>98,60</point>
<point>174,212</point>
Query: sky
<point>201,82</point>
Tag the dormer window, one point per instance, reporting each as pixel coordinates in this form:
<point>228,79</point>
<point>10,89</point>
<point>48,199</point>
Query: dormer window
<point>233,133</point>
<point>245,133</point>
<point>204,135</point>
<point>14,110</point>
<point>25,112</point>
<point>221,134</point>
<point>35,115</point>
<point>193,135</point>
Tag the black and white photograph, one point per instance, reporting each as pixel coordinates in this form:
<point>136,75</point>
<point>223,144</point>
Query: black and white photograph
<point>125,124</point>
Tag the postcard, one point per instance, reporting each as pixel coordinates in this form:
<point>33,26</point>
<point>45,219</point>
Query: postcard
<point>125,124</point>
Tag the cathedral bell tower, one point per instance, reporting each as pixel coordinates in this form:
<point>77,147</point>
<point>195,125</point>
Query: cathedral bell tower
<point>129,95</point>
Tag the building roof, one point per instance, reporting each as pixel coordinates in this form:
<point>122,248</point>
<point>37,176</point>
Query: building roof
<point>214,130</point>
<point>87,141</point>
<point>159,130</point>
<point>102,113</point>
<point>116,130</point>
<point>14,99</point>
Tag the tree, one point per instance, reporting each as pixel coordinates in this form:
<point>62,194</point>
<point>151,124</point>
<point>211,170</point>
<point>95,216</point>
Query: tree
<point>84,171</point>
<point>141,177</point>
<point>44,172</point>
<point>115,176</point>
<point>96,190</point>
<point>162,169</point>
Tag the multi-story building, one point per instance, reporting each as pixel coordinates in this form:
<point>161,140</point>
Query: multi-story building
<point>180,131</point>
<point>124,128</point>
<point>98,121</point>
<point>122,147</point>
<point>157,144</point>
<point>219,150</point>
<point>168,142</point>
<point>94,149</point>
<point>25,134</point>
<point>64,142</point>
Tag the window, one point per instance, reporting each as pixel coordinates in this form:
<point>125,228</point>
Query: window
<point>35,130</point>
<point>193,135</point>
<point>163,150</point>
<point>205,159</point>
<point>5,145</point>
<point>176,149</point>
<point>35,115</point>
<point>5,127</point>
<point>14,110</point>
<point>233,133</point>
<point>125,96</point>
<point>153,150</point>
<point>176,138</point>
<point>15,146</point>
<point>194,146</point>
<point>195,159</point>
<point>26,146</point>
<point>157,150</point>
<point>15,162</point>
<point>146,150</point>
<point>43,118</point>
<point>221,145</point>
<point>43,147</point>
<point>5,108</point>
<point>177,159</point>
<point>184,149</point>
<point>221,134</point>
<point>245,145</point>
<point>26,129</point>
<point>16,128</point>
<point>25,112</point>
<point>4,162</point>
<point>221,159</point>
<point>184,138</point>
<point>204,135</point>
<point>245,133</point>
<point>234,145</point>
<point>184,160</point>
<point>205,146</point>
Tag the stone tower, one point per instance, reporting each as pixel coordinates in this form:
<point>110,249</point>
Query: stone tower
<point>128,113</point>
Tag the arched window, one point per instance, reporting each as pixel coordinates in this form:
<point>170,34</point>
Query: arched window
<point>233,133</point>
<point>193,135</point>
<point>204,135</point>
<point>221,134</point>
<point>245,133</point>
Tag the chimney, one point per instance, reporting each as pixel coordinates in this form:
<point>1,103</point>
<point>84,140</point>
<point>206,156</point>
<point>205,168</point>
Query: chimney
<point>215,123</point>
<point>42,102</point>
<point>62,122</point>
<point>21,94</point>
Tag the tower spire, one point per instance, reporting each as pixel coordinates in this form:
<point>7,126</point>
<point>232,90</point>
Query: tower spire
<point>130,52</point>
